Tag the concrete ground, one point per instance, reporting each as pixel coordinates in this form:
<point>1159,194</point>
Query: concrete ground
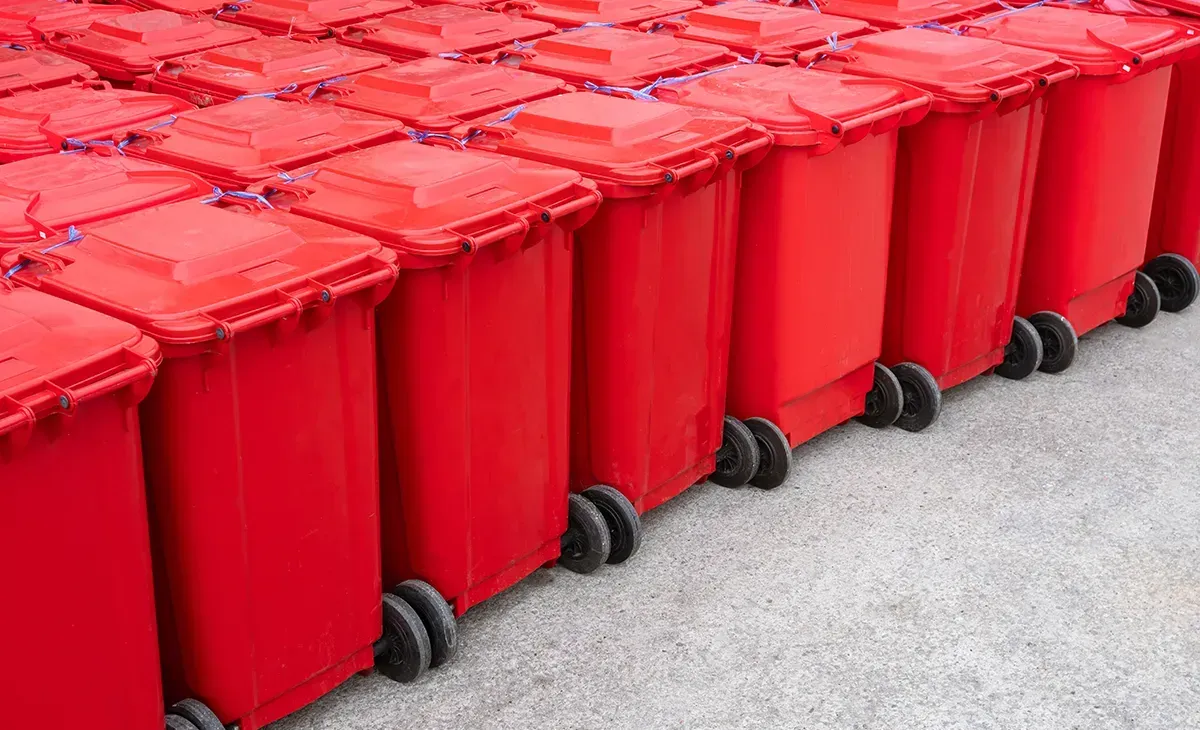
<point>1031,561</point>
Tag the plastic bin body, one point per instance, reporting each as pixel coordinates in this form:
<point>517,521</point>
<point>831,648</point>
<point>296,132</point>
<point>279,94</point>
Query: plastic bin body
<point>308,18</point>
<point>475,428</point>
<point>576,13</point>
<point>813,239</point>
<point>36,69</point>
<point>897,14</point>
<point>74,510</point>
<point>653,282</point>
<point>449,31</point>
<point>25,22</point>
<point>259,438</point>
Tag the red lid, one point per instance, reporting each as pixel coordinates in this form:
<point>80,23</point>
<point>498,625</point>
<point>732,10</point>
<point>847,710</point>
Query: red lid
<point>308,18</point>
<point>436,94</point>
<point>893,14</point>
<point>481,4</point>
<point>961,72</point>
<point>55,355</point>
<point>618,57</point>
<point>574,13</point>
<point>619,141</point>
<point>776,32</point>
<point>43,197</point>
<point>236,144</point>
<point>37,123</point>
<point>262,65</point>
<point>191,273</point>
<point>1097,43</point>
<point>425,202</point>
<point>36,69</point>
<point>27,21</point>
<point>801,107</point>
<point>1190,8</point>
<point>453,30</point>
<point>128,45</point>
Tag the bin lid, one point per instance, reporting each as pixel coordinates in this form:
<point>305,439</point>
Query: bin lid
<point>436,29</point>
<point>423,201</point>
<point>1098,43</point>
<point>894,14</point>
<point>801,107</point>
<point>1190,8</point>
<point>436,94</point>
<point>260,65</point>
<point>27,21</point>
<point>38,69</point>
<point>137,42</point>
<point>36,123</point>
<point>189,273</point>
<point>44,196</point>
<point>777,32</point>
<point>574,13</point>
<point>619,57</point>
<point>252,139</point>
<point>312,18</point>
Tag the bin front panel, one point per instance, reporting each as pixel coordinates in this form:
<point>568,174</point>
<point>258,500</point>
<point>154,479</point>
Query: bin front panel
<point>33,69</point>
<point>455,30</point>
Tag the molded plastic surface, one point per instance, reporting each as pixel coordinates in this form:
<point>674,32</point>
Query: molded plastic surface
<point>452,31</point>
<point>34,69</point>
<point>896,14</point>
<point>309,18</point>
<point>26,22</point>
<point>575,13</point>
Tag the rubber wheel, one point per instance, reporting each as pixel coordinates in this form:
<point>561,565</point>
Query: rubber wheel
<point>1059,341</point>
<point>408,647</point>
<point>1177,280</point>
<point>436,615</point>
<point>1143,304</point>
<point>1023,355</point>
<point>774,453</point>
<point>737,459</point>
<point>175,722</point>
<point>624,524</point>
<point>884,401</point>
<point>586,544</point>
<point>198,714</point>
<point>922,397</point>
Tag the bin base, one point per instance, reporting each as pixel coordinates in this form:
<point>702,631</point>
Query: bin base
<point>676,485</point>
<point>830,405</point>
<point>976,367</point>
<point>316,687</point>
<point>545,556</point>
<point>1103,304</point>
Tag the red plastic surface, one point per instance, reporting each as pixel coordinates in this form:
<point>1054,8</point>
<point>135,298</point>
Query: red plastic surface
<point>260,440</point>
<point>654,280</point>
<point>1175,219</point>
<point>235,145</point>
<point>36,124</point>
<point>27,21</point>
<point>574,13</point>
<point>897,14</point>
<point>74,509</point>
<point>31,70</point>
<point>126,46</point>
<point>474,489</point>
<point>436,94</point>
<point>453,31</point>
<point>256,67</point>
<point>308,18</point>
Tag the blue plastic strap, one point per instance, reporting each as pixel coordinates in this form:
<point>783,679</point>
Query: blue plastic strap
<point>835,44</point>
<point>14,46</point>
<point>673,80</point>
<point>218,193</point>
<point>450,55</point>
<point>635,93</point>
<point>165,123</point>
<point>417,135</point>
<point>508,117</point>
<point>73,236</point>
<point>323,84</point>
<point>79,145</point>
<point>589,24</point>
<point>290,88</point>
<point>934,25</point>
<point>1010,10</point>
<point>814,5</point>
<point>518,45</point>
<point>288,178</point>
<point>228,8</point>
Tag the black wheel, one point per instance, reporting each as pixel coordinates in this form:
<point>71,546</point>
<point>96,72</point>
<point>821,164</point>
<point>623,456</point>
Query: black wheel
<point>198,714</point>
<point>624,524</point>
<point>737,459</point>
<point>1059,341</point>
<point>586,544</point>
<point>436,615</point>
<point>1143,304</point>
<point>175,722</point>
<point>1177,280</point>
<point>884,401</point>
<point>774,454</point>
<point>1023,355</point>
<point>407,651</point>
<point>922,397</point>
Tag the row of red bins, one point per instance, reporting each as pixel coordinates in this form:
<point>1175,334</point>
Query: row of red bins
<point>275,433</point>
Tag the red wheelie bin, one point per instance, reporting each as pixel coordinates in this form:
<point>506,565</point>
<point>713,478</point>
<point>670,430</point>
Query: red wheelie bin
<point>26,22</point>
<point>964,179</point>
<point>447,31</point>
<point>260,445</point>
<point>897,14</point>
<point>23,69</point>
<point>1095,179</point>
<point>579,13</point>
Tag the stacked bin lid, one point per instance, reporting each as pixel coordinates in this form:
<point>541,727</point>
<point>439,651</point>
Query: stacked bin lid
<point>576,13</point>
<point>234,145</point>
<point>450,31</point>
<point>126,46</point>
<point>42,122</point>
<point>435,94</point>
<point>255,67</point>
<point>895,14</point>
<point>26,22</point>
<point>305,18</point>
<point>773,33</point>
<point>32,69</point>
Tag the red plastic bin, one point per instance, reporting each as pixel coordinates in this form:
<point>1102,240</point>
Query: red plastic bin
<point>449,31</point>
<point>260,445</point>
<point>897,14</point>
<point>35,69</point>
<point>812,251</point>
<point>255,67</point>
<point>577,13</point>
<point>27,22</point>
<point>654,286</point>
<point>434,94</point>
<point>964,180</point>
<point>1095,181</point>
<point>304,18</point>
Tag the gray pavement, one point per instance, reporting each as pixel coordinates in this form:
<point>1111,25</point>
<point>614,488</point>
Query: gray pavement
<point>1031,561</point>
